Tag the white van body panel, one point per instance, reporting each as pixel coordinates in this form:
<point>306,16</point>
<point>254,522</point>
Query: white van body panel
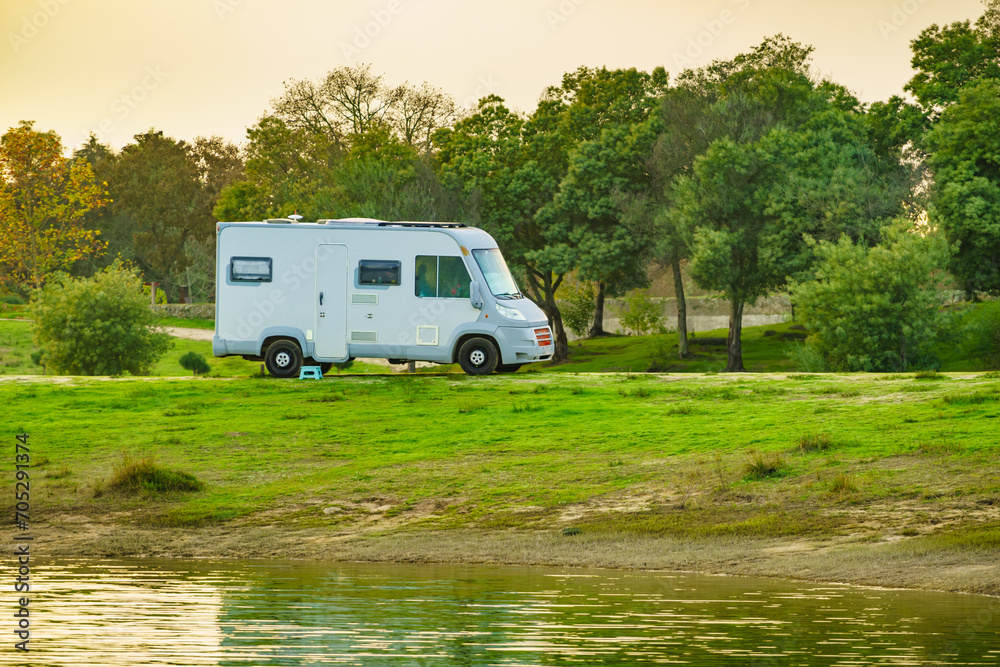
<point>310,290</point>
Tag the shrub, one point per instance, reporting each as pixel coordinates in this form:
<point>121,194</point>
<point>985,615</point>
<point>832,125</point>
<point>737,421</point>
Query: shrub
<point>762,465</point>
<point>815,443</point>
<point>643,315</point>
<point>133,476</point>
<point>807,358</point>
<point>983,335</point>
<point>195,363</point>
<point>579,302</point>
<point>874,309</point>
<point>842,485</point>
<point>97,326</point>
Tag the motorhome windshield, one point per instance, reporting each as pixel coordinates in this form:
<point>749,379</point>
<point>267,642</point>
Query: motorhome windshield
<point>498,277</point>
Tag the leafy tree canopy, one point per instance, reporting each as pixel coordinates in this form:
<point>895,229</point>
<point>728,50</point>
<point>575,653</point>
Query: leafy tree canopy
<point>43,201</point>
<point>965,158</point>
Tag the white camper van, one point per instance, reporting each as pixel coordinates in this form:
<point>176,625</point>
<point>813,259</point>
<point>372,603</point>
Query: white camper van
<point>294,293</point>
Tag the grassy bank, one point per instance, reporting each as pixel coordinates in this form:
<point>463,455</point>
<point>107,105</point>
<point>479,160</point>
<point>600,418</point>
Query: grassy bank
<point>820,476</point>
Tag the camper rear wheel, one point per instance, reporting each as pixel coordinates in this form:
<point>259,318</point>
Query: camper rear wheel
<point>478,356</point>
<point>283,359</point>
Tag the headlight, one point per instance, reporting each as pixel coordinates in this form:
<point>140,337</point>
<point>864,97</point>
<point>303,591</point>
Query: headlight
<point>510,313</point>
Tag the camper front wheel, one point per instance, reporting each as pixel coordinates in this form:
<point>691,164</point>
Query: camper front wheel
<point>478,356</point>
<point>283,359</point>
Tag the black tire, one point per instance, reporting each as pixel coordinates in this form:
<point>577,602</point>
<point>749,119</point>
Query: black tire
<point>478,356</point>
<point>508,368</point>
<point>283,359</point>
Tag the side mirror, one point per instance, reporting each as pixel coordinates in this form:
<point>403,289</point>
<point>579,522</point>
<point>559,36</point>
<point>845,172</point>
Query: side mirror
<point>475,296</point>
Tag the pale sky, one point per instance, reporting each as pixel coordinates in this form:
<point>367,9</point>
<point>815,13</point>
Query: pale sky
<point>202,67</point>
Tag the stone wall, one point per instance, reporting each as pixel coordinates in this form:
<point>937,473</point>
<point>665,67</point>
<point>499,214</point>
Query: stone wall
<point>187,311</point>
<point>704,313</point>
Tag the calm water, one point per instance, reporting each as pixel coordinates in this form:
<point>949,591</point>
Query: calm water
<point>100,612</point>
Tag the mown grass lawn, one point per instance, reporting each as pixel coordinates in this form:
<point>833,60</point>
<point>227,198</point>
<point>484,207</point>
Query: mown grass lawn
<point>628,453</point>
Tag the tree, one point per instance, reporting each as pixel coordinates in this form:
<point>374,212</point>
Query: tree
<point>874,309</point>
<point>504,168</point>
<point>287,166</point>
<point>585,220</point>
<point>352,101</point>
<point>97,326</point>
<point>607,126</point>
<point>791,158</point>
<point>951,57</point>
<point>382,177</point>
<point>157,183</point>
<point>685,135</point>
<point>965,202</point>
<point>419,113</point>
<point>43,201</point>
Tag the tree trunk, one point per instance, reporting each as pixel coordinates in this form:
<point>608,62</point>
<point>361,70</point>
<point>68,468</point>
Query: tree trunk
<point>561,352</point>
<point>598,327</point>
<point>734,346</point>
<point>682,326</point>
<point>544,293</point>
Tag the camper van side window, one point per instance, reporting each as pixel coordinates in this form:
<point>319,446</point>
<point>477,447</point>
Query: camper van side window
<point>453,278</point>
<point>378,272</point>
<point>251,269</point>
<point>426,280</point>
<point>444,277</point>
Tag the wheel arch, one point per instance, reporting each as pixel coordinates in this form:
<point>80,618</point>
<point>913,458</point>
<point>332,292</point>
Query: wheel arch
<point>468,335</point>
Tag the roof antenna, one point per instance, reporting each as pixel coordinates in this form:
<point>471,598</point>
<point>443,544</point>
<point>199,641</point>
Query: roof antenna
<point>295,217</point>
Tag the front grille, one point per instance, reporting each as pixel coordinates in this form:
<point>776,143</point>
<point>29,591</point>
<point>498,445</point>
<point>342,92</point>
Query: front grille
<point>543,336</point>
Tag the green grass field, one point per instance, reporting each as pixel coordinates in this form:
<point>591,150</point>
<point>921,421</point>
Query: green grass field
<point>684,454</point>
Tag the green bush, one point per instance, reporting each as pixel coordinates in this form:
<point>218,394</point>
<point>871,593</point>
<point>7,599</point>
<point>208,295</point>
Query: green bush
<point>643,315</point>
<point>97,326</point>
<point>807,358</point>
<point>133,476</point>
<point>983,335</point>
<point>874,309</point>
<point>195,363</point>
<point>579,302</point>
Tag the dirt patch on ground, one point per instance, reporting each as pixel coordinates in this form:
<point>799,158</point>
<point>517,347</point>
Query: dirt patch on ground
<point>889,544</point>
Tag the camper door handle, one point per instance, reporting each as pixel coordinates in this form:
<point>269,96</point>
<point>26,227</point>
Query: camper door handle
<point>321,298</point>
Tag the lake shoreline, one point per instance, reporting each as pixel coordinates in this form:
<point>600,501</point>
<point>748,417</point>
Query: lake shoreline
<point>896,564</point>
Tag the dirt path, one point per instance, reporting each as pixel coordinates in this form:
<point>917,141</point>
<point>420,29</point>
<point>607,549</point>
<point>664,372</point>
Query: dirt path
<point>190,334</point>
